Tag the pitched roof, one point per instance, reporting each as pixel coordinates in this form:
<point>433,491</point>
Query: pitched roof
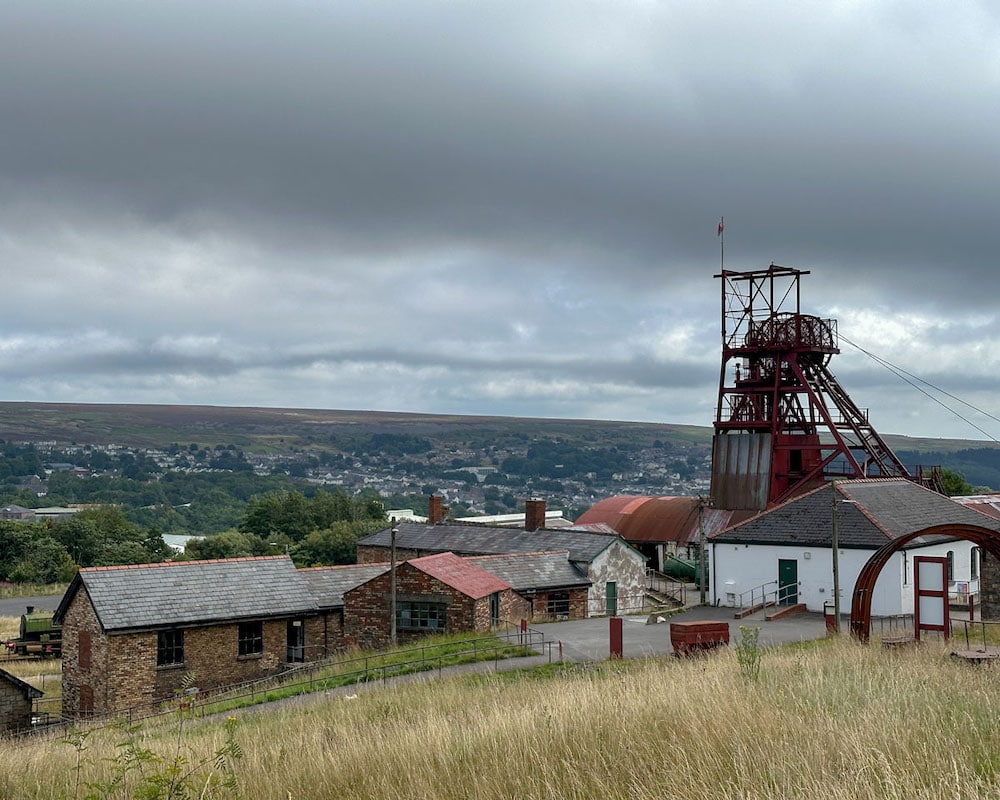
<point>328,584</point>
<point>870,512</point>
<point>148,596</point>
<point>460,574</point>
<point>26,689</point>
<point>641,518</point>
<point>583,546</point>
<point>533,571</point>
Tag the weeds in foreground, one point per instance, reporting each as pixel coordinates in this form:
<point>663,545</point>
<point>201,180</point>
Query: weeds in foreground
<point>748,652</point>
<point>138,772</point>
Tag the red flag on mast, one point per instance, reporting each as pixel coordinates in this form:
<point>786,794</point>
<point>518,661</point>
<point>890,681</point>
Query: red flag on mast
<point>721,226</point>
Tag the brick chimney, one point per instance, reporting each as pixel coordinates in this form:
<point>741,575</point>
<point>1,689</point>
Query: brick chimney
<point>534,514</point>
<point>435,513</point>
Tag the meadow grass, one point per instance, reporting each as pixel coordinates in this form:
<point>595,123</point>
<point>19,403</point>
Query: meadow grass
<point>12,590</point>
<point>841,720</point>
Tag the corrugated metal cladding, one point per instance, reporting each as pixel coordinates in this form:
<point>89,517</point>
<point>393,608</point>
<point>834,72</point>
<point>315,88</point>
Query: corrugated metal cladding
<point>647,519</point>
<point>741,470</point>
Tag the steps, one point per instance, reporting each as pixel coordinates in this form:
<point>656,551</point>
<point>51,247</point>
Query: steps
<point>785,611</point>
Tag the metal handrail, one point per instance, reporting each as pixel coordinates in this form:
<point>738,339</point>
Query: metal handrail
<point>775,593</point>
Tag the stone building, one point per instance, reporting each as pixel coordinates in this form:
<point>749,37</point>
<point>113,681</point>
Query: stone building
<point>16,698</point>
<point>552,587</point>
<point>434,594</point>
<point>616,571</point>
<point>136,635</point>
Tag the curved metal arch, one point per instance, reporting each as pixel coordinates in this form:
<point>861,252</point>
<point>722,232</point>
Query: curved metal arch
<point>861,601</point>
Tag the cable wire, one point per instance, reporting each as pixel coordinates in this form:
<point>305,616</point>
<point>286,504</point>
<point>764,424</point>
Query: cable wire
<point>905,376</point>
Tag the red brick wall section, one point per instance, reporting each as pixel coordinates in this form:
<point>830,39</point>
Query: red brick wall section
<point>366,608</point>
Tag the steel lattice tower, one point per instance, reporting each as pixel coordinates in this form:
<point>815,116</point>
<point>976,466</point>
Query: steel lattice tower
<point>783,423</point>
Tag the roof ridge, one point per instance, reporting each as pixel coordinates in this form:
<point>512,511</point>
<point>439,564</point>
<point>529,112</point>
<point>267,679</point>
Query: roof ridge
<point>521,554</point>
<point>111,567</point>
<point>330,567</point>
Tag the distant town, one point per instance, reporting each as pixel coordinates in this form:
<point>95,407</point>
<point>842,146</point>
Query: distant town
<point>402,469</point>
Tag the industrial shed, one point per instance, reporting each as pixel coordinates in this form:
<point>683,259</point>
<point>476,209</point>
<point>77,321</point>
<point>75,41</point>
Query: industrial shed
<point>791,545</point>
<point>660,527</point>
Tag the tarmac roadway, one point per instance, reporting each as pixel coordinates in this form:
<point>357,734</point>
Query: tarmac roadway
<point>16,606</point>
<point>590,639</point>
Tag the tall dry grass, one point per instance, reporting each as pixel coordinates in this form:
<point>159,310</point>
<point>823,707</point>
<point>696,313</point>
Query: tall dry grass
<point>830,721</point>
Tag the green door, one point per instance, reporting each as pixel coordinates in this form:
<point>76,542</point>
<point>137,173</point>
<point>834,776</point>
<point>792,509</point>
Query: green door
<point>611,598</point>
<point>788,581</point>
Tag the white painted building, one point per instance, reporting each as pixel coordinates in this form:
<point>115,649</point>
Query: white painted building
<point>788,548</point>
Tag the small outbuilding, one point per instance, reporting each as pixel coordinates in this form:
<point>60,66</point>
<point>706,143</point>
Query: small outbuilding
<point>434,594</point>
<point>16,698</point>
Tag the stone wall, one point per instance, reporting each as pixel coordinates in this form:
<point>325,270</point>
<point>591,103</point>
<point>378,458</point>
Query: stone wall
<point>989,586</point>
<point>538,610</point>
<point>123,673</point>
<point>383,555</point>
<point>15,708</point>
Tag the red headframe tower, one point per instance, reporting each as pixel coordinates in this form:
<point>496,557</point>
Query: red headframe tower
<point>783,423</point>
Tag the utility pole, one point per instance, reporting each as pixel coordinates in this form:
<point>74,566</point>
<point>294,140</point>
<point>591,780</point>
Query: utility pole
<point>835,542</point>
<point>701,549</point>
<point>392,582</point>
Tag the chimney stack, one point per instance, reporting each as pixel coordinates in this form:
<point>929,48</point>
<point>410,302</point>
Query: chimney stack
<point>534,514</point>
<point>435,515</point>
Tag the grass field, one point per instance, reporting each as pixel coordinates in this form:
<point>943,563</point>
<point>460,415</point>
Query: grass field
<point>829,720</point>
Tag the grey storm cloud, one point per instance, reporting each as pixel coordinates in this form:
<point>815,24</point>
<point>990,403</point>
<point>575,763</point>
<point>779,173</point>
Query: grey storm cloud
<point>312,203</point>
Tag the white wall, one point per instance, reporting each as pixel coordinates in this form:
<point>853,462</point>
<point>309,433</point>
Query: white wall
<point>736,568</point>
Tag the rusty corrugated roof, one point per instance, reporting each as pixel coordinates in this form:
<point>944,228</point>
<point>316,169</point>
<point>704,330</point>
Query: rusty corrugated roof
<point>639,518</point>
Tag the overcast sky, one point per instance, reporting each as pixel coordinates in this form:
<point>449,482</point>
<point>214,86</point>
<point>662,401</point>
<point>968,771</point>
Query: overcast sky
<point>492,208</point>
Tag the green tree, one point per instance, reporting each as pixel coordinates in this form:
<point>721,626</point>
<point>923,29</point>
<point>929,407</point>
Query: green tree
<point>955,484</point>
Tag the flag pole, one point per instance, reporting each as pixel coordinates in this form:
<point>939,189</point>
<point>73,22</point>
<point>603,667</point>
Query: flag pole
<point>722,243</point>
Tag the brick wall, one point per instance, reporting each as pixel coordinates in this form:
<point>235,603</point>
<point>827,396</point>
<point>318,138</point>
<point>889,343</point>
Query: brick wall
<point>539,608</point>
<point>366,608</point>
<point>15,708</point>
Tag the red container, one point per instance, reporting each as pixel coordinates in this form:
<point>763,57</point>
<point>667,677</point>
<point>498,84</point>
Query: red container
<point>688,637</point>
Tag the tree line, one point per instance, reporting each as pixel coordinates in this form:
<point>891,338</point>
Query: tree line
<point>317,530</point>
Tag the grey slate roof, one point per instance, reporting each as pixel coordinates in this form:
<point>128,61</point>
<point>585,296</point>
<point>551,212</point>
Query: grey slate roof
<point>876,511</point>
<point>469,540</point>
<point>328,584</point>
<point>150,596</point>
<point>23,687</point>
<point>533,571</point>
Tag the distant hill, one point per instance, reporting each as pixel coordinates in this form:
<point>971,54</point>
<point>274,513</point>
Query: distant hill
<point>285,430</point>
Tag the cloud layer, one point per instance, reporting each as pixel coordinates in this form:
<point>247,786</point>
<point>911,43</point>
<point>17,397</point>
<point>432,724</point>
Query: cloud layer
<point>497,208</point>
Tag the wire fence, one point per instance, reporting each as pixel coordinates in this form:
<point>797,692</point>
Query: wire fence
<point>514,641</point>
